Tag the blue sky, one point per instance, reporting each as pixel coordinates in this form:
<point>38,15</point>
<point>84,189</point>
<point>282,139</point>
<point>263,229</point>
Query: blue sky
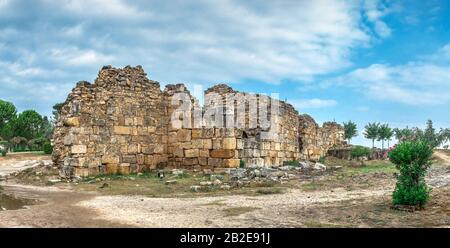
<point>386,61</point>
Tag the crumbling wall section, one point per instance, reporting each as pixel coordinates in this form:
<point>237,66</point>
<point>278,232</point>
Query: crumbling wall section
<point>124,123</point>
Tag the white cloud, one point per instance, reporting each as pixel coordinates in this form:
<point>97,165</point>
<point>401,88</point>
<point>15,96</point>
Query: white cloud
<point>422,82</point>
<point>375,11</point>
<point>77,57</point>
<point>312,103</point>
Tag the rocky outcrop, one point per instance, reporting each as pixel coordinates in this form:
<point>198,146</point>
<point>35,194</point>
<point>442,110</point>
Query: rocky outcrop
<point>125,123</point>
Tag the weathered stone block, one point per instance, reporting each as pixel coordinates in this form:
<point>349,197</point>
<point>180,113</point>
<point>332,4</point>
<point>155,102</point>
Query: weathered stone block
<point>222,153</point>
<point>129,159</point>
<point>231,163</point>
<point>111,168</point>
<point>215,162</point>
<point>110,159</point>
<point>204,153</point>
<point>184,135</point>
<point>122,130</point>
<point>79,149</point>
<point>124,168</point>
<point>72,122</point>
<point>191,153</point>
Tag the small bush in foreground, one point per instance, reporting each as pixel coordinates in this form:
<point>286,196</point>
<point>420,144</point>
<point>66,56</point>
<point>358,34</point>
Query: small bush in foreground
<point>412,159</point>
<point>360,151</point>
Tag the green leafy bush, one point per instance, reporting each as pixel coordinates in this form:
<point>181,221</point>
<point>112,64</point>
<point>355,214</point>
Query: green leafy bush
<point>48,148</point>
<point>360,151</point>
<point>412,159</point>
<point>2,152</point>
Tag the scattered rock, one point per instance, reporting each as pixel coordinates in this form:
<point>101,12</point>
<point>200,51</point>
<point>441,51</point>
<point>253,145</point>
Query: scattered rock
<point>54,180</point>
<point>225,187</point>
<point>206,183</point>
<point>195,188</point>
<point>169,182</point>
<point>319,166</point>
<point>217,182</point>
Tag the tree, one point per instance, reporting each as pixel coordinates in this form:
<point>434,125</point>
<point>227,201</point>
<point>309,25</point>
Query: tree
<point>7,112</point>
<point>29,124</point>
<point>350,130</point>
<point>404,134</point>
<point>384,133</point>
<point>371,132</point>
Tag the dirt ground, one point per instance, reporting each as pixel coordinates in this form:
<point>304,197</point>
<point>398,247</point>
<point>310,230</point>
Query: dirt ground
<point>346,197</point>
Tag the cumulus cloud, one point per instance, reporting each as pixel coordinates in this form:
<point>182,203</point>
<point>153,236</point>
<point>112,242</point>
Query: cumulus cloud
<point>421,82</point>
<point>191,41</point>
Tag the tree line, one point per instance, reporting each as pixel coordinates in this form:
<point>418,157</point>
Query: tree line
<point>383,132</point>
<point>25,131</point>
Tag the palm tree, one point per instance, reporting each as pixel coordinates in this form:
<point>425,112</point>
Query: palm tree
<point>371,132</point>
<point>350,130</point>
<point>384,133</point>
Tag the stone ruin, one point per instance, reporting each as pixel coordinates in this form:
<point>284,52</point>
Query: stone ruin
<point>124,123</point>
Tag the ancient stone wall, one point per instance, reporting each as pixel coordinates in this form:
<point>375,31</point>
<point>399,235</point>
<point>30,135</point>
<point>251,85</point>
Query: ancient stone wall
<point>124,123</point>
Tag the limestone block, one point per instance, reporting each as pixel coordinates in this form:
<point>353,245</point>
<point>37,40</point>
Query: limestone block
<point>197,144</point>
<point>216,144</point>
<point>239,144</point>
<point>69,139</point>
<point>231,163</point>
<point>197,133</point>
<point>204,153</point>
<point>111,168</point>
<point>229,143</point>
<point>191,153</point>
<point>190,161</point>
<point>207,144</point>
<point>110,159</point>
<point>203,161</point>
<point>129,121</point>
<point>132,149</point>
<point>122,130</point>
<point>79,149</point>
<point>222,153</point>
<point>72,122</point>
<point>129,159</point>
<point>184,135</point>
<point>178,152</point>
<point>124,168</point>
<point>151,129</point>
<point>215,162</point>
<point>81,172</point>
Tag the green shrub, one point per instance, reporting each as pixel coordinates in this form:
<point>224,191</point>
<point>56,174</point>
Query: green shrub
<point>412,159</point>
<point>2,152</point>
<point>48,148</point>
<point>291,163</point>
<point>360,151</point>
<point>322,160</point>
<point>241,164</point>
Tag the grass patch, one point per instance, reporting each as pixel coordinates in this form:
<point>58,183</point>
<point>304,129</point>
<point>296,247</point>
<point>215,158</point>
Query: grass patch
<point>236,211</point>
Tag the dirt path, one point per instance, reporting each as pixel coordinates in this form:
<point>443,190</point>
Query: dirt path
<point>64,207</point>
<point>443,156</point>
<point>230,211</point>
<point>56,209</point>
